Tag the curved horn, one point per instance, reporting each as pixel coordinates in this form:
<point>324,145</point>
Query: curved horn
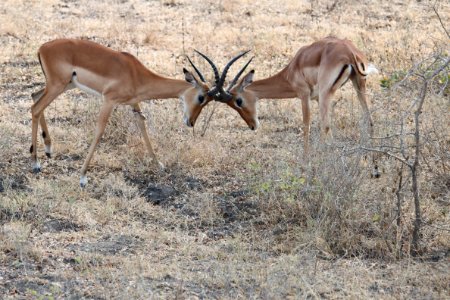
<point>225,70</point>
<point>216,72</point>
<point>217,91</point>
<point>236,78</point>
<point>196,70</point>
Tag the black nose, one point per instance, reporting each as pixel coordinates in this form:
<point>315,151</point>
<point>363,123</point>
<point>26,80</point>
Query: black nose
<point>252,127</point>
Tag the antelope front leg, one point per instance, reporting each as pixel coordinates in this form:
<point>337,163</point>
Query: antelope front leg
<point>140,119</point>
<point>103,117</point>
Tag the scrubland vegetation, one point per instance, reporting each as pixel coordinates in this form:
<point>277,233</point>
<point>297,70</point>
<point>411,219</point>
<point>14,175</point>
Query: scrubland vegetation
<point>235,214</point>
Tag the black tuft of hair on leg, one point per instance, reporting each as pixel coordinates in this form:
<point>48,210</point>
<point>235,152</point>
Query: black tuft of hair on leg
<point>31,149</point>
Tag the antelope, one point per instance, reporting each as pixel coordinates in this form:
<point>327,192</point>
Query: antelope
<point>316,72</point>
<point>119,78</point>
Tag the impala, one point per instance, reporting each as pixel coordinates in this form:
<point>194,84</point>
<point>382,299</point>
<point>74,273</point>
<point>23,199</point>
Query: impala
<point>316,71</point>
<point>118,77</point>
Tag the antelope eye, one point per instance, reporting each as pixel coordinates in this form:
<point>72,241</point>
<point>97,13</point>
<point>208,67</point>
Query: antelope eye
<point>239,102</point>
<point>201,98</point>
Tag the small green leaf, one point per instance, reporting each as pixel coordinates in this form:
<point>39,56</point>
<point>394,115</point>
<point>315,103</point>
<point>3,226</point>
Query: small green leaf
<point>376,218</point>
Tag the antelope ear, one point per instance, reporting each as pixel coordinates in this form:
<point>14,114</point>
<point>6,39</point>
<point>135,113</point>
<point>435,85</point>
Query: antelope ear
<point>189,77</point>
<point>247,80</point>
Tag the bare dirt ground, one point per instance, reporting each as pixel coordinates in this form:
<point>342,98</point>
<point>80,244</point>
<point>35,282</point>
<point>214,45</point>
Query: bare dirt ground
<point>235,214</point>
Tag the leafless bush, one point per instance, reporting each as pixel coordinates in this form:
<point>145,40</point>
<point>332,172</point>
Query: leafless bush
<point>412,138</point>
<point>323,201</point>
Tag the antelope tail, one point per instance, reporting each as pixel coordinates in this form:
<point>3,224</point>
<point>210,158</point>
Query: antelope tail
<point>362,68</point>
<point>37,95</point>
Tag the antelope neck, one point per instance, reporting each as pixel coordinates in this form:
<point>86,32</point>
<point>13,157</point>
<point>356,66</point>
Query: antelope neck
<point>158,87</point>
<point>274,87</point>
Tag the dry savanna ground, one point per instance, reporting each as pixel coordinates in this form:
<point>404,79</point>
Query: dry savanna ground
<point>234,214</point>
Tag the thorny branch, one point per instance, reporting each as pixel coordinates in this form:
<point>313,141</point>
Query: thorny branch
<point>400,159</point>
<point>440,20</point>
<point>423,73</point>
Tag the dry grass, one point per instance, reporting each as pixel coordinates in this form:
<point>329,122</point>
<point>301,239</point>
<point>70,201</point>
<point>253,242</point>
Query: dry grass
<point>235,214</point>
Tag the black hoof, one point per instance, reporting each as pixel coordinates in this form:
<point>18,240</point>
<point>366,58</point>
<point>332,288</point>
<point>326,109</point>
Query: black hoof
<point>36,170</point>
<point>376,173</point>
<point>49,155</point>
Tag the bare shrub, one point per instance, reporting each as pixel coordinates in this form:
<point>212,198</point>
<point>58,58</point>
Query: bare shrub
<point>324,202</point>
<point>409,137</point>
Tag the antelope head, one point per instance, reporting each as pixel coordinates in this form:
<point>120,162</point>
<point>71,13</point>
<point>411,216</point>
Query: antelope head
<point>196,98</point>
<point>233,94</point>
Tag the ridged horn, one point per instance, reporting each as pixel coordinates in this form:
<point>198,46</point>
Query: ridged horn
<point>196,70</point>
<point>236,78</point>
<point>213,66</point>
<point>227,67</point>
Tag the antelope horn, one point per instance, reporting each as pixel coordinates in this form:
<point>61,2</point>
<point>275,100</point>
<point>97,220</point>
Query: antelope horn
<point>225,70</point>
<point>236,78</point>
<point>196,70</point>
<point>216,72</point>
<point>217,92</point>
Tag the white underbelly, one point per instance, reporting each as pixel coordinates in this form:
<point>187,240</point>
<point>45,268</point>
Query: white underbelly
<point>83,87</point>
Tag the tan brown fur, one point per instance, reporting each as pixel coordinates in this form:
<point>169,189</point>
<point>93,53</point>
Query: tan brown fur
<point>118,77</point>
<point>316,71</point>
